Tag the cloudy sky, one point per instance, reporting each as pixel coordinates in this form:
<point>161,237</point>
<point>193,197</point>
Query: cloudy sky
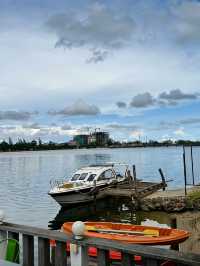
<point>128,67</point>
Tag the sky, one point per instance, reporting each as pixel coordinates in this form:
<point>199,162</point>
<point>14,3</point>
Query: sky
<point>127,67</point>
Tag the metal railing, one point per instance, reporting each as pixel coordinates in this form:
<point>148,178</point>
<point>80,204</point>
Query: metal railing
<point>151,256</point>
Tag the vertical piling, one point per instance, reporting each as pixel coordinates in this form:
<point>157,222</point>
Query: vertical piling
<point>134,180</point>
<point>185,173</point>
<point>192,162</point>
<point>163,178</point>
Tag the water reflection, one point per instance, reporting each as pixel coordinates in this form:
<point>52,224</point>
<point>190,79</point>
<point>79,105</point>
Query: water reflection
<point>102,211</point>
<point>189,221</point>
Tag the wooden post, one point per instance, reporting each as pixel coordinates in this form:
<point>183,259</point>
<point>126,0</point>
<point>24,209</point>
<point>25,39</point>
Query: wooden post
<point>28,250</point>
<point>135,179</point>
<point>173,223</point>
<point>185,173</point>
<point>192,162</point>
<point>163,178</point>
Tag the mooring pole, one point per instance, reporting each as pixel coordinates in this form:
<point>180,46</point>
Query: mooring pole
<point>135,179</point>
<point>163,178</point>
<point>185,173</point>
<point>192,162</point>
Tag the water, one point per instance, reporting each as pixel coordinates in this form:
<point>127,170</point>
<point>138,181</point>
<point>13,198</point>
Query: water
<point>25,178</point>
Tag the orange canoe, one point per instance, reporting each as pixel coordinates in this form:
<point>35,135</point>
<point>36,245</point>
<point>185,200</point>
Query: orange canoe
<point>136,234</point>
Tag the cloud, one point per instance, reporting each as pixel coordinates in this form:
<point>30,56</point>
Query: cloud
<point>189,121</point>
<point>97,56</point>
<point>32,126</point>
<point>78,108</point>
<point>16,115</point>
<point>137,133</point>
<point>142,100</point>
<point>176,95</point>
<point>116,126</point>
<point>66,127</point>
<point>171,98</point>
<point>121,104</point>
<point>97,28</point>
<point>187,22</point>
<point>179,132</point>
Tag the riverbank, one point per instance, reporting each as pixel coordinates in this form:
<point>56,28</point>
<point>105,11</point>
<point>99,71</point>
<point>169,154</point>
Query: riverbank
<point>38,145</point>
<point>172,200</point>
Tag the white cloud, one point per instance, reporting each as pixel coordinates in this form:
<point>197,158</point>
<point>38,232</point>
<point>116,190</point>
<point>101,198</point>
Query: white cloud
<point>179,132</point>
<point>80,107</point>
<point>137,133</point>
<point>98,28</point>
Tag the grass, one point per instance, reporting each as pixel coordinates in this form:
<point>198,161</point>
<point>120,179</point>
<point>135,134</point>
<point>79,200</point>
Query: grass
<point>194,195</point>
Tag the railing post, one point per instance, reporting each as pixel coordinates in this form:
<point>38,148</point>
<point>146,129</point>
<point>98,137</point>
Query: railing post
<point>43,252</point>
<point>60,254</point>
<point>3,236</point>
<point>127,260</point>
<point>103,257</point>
<point>79,255</point>
<point>28,250</point>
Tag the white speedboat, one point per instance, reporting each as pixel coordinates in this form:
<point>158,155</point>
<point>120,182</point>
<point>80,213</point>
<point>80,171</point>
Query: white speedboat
<point>85,184</point>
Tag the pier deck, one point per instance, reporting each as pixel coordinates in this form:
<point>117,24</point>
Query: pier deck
<point>136,190</point>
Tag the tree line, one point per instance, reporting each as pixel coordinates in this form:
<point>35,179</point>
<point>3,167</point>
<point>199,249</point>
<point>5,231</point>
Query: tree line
<point>34,145</point>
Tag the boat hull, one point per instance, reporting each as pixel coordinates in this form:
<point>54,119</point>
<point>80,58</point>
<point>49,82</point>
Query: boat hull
<point>166,236</point>
<point>71,198</point>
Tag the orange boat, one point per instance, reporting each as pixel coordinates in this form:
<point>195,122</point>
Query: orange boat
<point>135,234</point>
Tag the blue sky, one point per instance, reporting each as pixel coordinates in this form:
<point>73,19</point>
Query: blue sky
<point>128,67</point>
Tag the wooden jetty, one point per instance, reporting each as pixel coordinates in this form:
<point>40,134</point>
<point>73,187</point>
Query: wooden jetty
<point>34,239</point>
<point>134,188</point>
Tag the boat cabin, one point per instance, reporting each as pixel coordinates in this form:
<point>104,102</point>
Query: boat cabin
<point>94,173</point>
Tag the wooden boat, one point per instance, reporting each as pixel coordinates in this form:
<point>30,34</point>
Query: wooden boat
<point>136,234</point>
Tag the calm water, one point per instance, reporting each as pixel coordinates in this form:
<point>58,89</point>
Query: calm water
<point>25,177</point>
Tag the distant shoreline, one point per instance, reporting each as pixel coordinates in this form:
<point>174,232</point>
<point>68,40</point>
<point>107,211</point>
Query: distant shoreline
<point>61,147</point>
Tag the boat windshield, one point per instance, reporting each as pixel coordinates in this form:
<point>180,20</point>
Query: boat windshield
<point>91,177</point>
<point>83,176</point>
<point>75,177</point>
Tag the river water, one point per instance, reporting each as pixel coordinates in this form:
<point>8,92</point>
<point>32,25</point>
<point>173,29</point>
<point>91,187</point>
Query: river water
<point>25,178</point>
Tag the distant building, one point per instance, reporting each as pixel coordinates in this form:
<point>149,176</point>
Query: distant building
<point>81,139</point>
<point>99,138</point>
<point>72,143</point>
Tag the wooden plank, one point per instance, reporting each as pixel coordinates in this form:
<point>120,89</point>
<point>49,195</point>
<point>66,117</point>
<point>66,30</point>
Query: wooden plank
<point>127,260</point>
<point>103,257</point>
<point>28,250</point>
<point>60,254</point>
<point>43,252</point>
